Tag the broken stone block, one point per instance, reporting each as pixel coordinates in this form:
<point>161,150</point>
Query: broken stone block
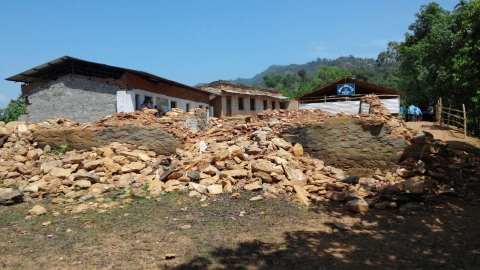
<point>59,172</point>
<point>47,166</point>
<point>298,150</point>
<point>357,206</point>
<point>215,189</point>
<point>198,187</point>
<point>234,173</point>
<point>266,178</point>
<point>10,196</point>
<point>335,195</point>
<point>281,143</point>
<point>253,186</point>
<point>37,210</point>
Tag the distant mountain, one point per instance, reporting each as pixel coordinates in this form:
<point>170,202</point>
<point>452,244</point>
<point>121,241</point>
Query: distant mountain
<point>355,64</point>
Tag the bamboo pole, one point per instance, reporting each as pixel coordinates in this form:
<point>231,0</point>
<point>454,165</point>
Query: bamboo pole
<point>439,111</point>
<point>464,121</point>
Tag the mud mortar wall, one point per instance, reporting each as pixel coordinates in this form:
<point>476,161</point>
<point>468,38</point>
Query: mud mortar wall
<point>71,97</point>
<point>358,146</point>
<point>155,138</point>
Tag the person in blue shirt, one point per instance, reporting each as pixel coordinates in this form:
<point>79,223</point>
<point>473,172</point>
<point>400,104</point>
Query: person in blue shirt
<point>418,112</point>
<point>402,111</point>
<point>411,113</point>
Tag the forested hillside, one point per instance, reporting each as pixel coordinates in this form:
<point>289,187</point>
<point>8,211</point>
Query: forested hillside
<point>294,80</point>
<point>311,68</point>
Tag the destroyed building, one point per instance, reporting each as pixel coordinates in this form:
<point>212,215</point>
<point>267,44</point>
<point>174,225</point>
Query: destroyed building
<point>345,95</point>
<point>83,91</point>
<point>235,99</point>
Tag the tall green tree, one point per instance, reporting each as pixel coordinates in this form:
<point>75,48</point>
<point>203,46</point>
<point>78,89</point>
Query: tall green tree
<point>14,109</point>
<point>387,64</point>
<point>440,57</point>
<point>425,56</point>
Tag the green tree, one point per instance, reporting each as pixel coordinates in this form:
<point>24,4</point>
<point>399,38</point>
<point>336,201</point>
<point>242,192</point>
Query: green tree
<point>387,63</point>
<point>425,56</point>
<point>440,57</point>
<point>14,109</point>
<point>303,74</point>
<point>328,74</point>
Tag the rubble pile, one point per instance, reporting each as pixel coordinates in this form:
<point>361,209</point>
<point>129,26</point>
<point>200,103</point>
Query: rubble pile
<point>229,158</point>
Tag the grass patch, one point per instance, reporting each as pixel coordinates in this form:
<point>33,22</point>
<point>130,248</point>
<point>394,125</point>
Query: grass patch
<point>144,230</point>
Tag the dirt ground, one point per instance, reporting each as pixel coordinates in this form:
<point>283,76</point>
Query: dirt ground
<point>227,233</point>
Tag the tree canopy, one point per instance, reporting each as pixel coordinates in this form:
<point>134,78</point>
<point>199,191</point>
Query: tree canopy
<point>14,109</point>
<point>440,57</point>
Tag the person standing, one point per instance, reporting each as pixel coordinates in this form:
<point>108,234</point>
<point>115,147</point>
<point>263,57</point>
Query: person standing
<point>418,112</point>
<point>411,113</point>
<point>402,111</point>
<point>431,113</point>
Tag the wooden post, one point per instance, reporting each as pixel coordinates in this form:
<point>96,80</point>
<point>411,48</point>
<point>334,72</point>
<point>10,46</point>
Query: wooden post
<point>464,121</point>
<point>439,111</point>
<point>325,98</point>
<point>448,116</point>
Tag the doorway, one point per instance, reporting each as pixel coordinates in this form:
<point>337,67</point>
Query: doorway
<point>229,106</point>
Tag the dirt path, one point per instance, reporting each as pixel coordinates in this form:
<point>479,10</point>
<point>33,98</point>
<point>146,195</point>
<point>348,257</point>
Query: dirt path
<point>444,133</point>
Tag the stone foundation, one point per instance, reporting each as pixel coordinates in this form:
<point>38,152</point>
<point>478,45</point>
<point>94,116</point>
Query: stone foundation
<point>356,145</point>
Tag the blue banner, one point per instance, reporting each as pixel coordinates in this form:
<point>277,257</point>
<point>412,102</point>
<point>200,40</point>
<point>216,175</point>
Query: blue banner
<point>346,89</point>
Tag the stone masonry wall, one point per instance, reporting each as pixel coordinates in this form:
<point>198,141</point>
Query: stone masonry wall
<point>71,97</point>
<point>357,145</point>
<point>154,138</point>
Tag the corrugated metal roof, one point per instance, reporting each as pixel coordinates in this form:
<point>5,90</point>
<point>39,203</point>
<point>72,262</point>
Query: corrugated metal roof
<point>254,94</point>
<point>60,66</point>
<point>332,87</point>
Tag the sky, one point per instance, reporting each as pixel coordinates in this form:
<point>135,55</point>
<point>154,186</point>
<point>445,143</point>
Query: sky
<point>196,41</point>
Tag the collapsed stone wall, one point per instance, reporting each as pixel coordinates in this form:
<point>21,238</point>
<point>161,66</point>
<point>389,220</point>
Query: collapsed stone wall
<point>358,145</point>
<point>72,97</point>
<point>142,128</point>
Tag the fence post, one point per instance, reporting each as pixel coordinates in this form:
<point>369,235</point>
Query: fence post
<point>448,116</point>
<point>439,111</point>
<point>464,121</point>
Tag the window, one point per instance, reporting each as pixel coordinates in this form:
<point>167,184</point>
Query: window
<point>188,107</point>
<point>240,103</point>
<point>273,105</point>
<point>265,105</point>
<point>282,105</point>
<point>173,104</point>
<point>252,104</point>
<point>200,106</point>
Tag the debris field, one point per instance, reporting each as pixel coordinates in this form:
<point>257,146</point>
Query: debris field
<point>231,156</point>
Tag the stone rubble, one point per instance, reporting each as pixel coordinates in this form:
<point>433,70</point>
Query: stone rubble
<point>239,155</point>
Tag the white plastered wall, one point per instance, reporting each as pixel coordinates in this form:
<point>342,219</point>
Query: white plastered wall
<point>125,101</point>
<point>350,107</point>
<point>181,103</point>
